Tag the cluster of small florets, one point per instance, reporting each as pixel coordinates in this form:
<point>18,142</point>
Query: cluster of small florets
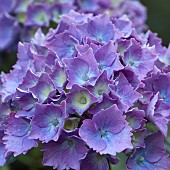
<point>20,18</point>
<point>87,91</point>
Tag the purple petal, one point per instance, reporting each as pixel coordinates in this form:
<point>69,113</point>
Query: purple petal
<point>16,136</point>
<point>60,154</point>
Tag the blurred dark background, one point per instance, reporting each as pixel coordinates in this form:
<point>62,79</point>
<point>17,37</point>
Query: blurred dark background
<point>158,21</point>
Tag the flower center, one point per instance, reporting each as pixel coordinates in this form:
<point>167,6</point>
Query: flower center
<point>140,159</point>
<point>100,91</point>
<point>131,63</point>
<point>85,77</point>
<point>55,122</point>
<point>103,133</point>
<point>83,100</point>
<point>70,143</point>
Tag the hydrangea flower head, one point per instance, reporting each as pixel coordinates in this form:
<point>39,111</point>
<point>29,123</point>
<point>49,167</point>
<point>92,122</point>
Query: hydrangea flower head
<point>107,134</point>
<point>88,89</point>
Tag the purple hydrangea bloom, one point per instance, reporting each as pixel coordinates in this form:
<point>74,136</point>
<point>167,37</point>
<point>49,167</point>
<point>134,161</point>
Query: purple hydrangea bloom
<point>96,161</point>
<point>24,102</point>
<point>101,86</point>
<point>134,10</point>
<point>88,6</point>
<point>4,112</point>
<point>59,9</point>
<point>66,49</point>
<point>8,31</point>
<point>59,76</point>
<point>108,59</point>
<point>135,118</point>
<point>38,15</point>
<point>100,29</point>
<point>16,137</point>
<point>159,114</point>
<point>141,60</point>
<point>122,91</point>
<point>22,5</point>
<point>108,134</point>
<point>48,122</point>
<point>86,71</point>
<point>138,139</point>
<point>65,153</point>
<point>124,25</point>
<point>153,156</point>
<point>7,6</point>
<point>29,81</point>
<point>43,88</point>
<point>90,87</point>
<point>106,102</point>
<point>80,99</point>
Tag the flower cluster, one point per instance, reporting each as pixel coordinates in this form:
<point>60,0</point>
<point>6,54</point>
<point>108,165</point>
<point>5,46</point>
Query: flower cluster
<point>20,18</point>
<point>87,91</point>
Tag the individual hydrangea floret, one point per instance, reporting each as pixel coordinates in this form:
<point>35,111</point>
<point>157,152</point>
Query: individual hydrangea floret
<point>88,5</point>
<point>140,59</point>
<point>38,15</point>
<point>22,5</point>
<point>135,118</point>
<point>101,86</point>
<point>65,153</point>
<point>124,25</point>
<point>76,17</point>
<point>100,29</point>
<point>96,161</point>
<point>106,102</point>
<point>58,76</point>
<point>153,156</point>
<point>8,30</point>
<point>58,10</point>
<point>82,70</point>
<point>24,103</point>
<point>122,91</point>
<point>63,45</point>
<point>108,59</point>
<point>29,81</point>
<point>162,88</point>
<point>159,114</point>
<point>48,122</point>
<point>16,137</point>
<point>43,88</point>
<point>108,134</point>
<point>11,82</point>
<point>80,99</point>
